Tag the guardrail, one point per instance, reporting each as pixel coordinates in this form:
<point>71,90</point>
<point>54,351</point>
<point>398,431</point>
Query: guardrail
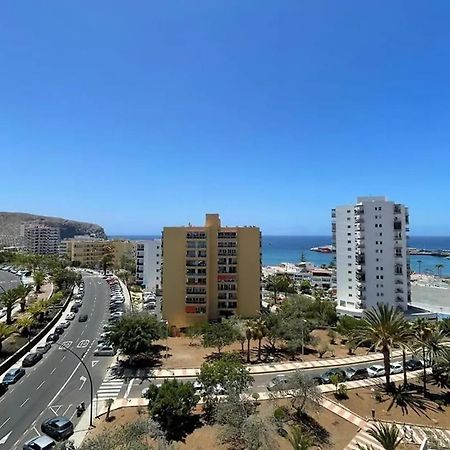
<point>5,365</point>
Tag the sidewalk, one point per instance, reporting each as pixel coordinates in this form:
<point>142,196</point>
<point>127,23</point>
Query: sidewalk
<point>284,367</point>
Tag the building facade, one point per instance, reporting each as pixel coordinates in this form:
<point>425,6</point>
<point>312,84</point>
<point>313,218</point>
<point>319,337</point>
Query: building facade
<point>210,272</point>
<point>148,263</point>
<point>40,239</point>
<point>372,264</point>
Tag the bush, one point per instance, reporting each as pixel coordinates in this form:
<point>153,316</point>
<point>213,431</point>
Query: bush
<point>341,393</point>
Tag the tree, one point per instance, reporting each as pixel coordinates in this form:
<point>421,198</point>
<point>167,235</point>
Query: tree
<point>275,329</point>
<point>439,268</point>
<point>108,402</point>
<point>227,372</point>
<point>8,299</point>
<point>305,287</point>
<point>322,348</point>
<point>37,309</point>
<point>22,292</point>
<point>347,325</point>
<point>388,435</point>
<point>280,282</point>
<point>25,323</point>
<point>336,379</point>
<point>300,389</point>
<point>298,439</point>
<point>383,326</point>
<point>5,331</point>
<point>106,261</point>
<point>171,405</point>
<point>218,335</point>
<point>248,336</point>
<point>65,279</point>
<point>194,332</point>
<point>323,311</point>
<point>134,333</point>
<point>38,279</point>
<point>259,331</point>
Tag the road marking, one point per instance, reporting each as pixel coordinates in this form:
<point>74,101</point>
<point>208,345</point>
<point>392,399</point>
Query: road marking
<point>81,334</point>
<point>83,344</point>
<point>66,383</point>
<point>94,363</point>
<point>67,409</point>
<point>63,358</point>
<point>40,385</point>
<point>24,402</point>
<point>37,432</point>
<point>53,371</point>
<point>65,344</point>
<point>130,385</point>
<point>83,380</point>
<point>5,438</point>
<point>5,422</point>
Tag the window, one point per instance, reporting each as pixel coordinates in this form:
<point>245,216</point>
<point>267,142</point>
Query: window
<point>350,280</point>
<point>349,249</point>
<point>349,256</point>
<point>381,277</point>
<point>349,271</point>
<point>349,234</point>
<point>349,242</point>
<point>348,226</point>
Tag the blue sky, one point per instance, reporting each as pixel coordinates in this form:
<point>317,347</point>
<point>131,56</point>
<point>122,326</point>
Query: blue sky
<point>140,114</point>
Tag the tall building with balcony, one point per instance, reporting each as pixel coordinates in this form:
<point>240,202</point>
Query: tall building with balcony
<point>40,239</point>
<point>210,272</point>
<point>372,264</point>
<point>148,263</point>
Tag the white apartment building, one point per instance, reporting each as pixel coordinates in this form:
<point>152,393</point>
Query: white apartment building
<point>148,263</point>
<point>40,239</point>
<point>371,255</point>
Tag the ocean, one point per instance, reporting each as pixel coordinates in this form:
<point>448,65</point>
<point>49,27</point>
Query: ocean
<point>278,249</point>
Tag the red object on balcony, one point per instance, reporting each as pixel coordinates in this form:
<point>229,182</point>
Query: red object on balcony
<point>190,309</point>
<point>231,277</point>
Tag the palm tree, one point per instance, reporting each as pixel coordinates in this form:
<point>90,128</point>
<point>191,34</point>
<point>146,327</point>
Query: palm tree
<point>405,341</point>
<point>38,278</point>
<point>22,292</point>
<point>249,335</point>
<point>298,439</point>
<point>8,299</point>
<point>388,435</point>
<point>25,323</point>
<point>439,268</point>
<point>5,331</point>
<point>422,330</point>
<point>37,309</point>
<point>383,326</point>
<point>259,331</point>
<point>106,261</point>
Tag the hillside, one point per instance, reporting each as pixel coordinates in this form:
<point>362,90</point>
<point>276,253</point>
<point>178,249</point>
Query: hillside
<point>10,225</point>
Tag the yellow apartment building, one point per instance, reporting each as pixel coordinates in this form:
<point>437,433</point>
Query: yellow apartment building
<point>210,272</point>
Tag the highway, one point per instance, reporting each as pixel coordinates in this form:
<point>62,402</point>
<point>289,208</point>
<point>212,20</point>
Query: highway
<point>58,383</point>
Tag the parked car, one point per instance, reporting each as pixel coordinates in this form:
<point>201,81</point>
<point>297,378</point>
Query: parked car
<point>52,337</point>
<point>277,381</point>
<point>39,443</point>
<point>64,324</point>
<point>31,359</point>
<point>3,388</point>
<point>376,371</point>
<point>78,302</point>
<point>325,377</point>
<point>413,364</point>
<point>104,350</point>
<point>43,348</point>
<point>352,374</point>
<point>13,375</point>
<point>117,314</point>
<point>58,428</point>
<point>59,329</point>
<point>74,308</point>
<point>396,367</point>
<point>83,318</point>
<point>71,315</point>
<point>2,312</point>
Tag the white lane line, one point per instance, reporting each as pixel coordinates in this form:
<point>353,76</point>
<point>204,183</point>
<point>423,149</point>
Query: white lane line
<point>37,432</point>
<point>5,422</point>
<point>40,385</point>
<point>24,402</point>
<point>65,384</point>
<point>130,385</point>
<point>67,409</point>
<point>53,371</point>
<point>63,358</point>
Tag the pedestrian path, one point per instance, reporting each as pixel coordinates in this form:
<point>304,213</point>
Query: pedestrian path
<point>110,387</point>
<point>284,367</point>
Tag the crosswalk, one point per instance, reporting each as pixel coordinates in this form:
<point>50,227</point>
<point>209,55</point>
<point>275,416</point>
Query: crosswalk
<point>410,434</point>
<point>110,387</point>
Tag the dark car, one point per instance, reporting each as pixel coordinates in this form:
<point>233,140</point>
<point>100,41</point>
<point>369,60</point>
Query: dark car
<point>3,388</point>
<point>83,318</point>
<point>13,375</point>
<point>43,348</point>
<point>52,337</point>
<point>352,374</point>
<point>59,329</point>
<point>325,377</point>
<point>74,308</point>
<point>31,359</point>
<point>413,364</point>
<point>58,428</point>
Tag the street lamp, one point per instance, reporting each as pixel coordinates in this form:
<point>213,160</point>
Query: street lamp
<point>90,382</point>
<point>3,289</point>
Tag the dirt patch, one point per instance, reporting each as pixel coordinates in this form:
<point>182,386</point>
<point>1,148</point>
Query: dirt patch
<point>340,431</point>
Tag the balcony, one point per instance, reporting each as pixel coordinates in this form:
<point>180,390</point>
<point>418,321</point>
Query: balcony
<point>397,225</point>
<point>399,300</point>
<point>399,291</point>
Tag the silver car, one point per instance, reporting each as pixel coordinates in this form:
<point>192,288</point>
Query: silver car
<point>39,443</point>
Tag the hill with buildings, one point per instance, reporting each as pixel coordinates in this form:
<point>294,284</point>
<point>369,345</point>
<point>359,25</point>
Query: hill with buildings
<point>10,225</point>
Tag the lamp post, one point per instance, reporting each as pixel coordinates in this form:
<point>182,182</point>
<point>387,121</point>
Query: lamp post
<point>3,289</point>
<point>90,382</point>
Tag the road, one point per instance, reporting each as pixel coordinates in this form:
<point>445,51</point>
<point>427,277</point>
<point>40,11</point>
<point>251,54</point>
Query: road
<point>57,384</point>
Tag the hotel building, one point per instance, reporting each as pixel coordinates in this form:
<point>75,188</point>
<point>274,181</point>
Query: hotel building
<point>210,272</point>
<point>371,255</point>
<point>148,263</point>
<point>40,239</point>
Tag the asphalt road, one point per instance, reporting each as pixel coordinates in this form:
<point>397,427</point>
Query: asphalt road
<point>58,383</point>
<point>8,280</point>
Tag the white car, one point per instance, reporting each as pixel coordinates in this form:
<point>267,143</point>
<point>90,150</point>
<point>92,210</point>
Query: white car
<point>117,314</point>
<point>2,312</point>
<point>104,350</point>
<point>70,316</point>
<point>396,367</point>
<point>64,324</point>
<point>375,371</point>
